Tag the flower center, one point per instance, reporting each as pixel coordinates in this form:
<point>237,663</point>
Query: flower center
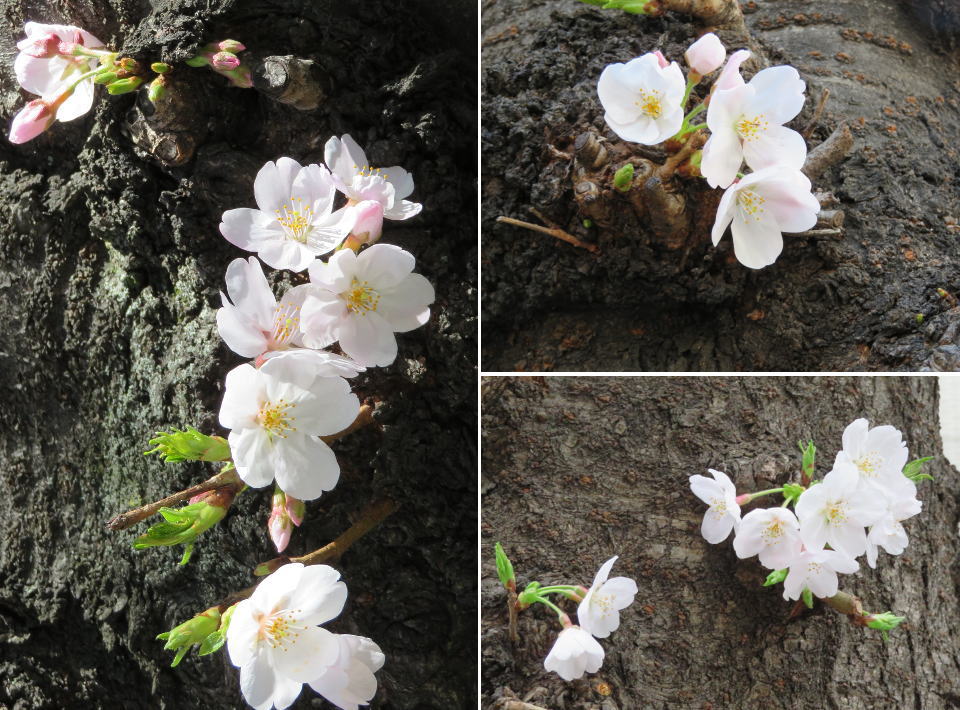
<point>650,103</point>
<point>361,298</point>
<point>286,324</point>
<point>280,629</point>
<point>869,464</point>
<point>814,568</point>
<point>773,532</point>
<point>751,203</point>
<point>296,219</point>
<point>719,506</point>
<point>836,512</point>
<point>603,602</point>
<point>276,418</point>
<point>367,171</point>
<point>750,129</point>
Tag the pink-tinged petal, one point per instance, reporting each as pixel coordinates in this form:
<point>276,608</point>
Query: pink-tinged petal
<point>722,158</point>
<point>239,332</point>
<point>241,398</point>
<point>32,120</point>
<point>787,196</point>
<point>384,266</point>
<point>257,680</point>
<point>254,456</point>
<point>35,75</point>
<point>249,291</point>
<point>403,209</point>
<point>406,305</point>
<point>286,254</point>
<point>777,146</point>
<point>327,233</point>
<point>779,94</point>
<point>756,242</point>
<point>344,157</point>
<point>307,657</point>
<point>367,222</point>
<point>336,274</point>
<point>79,102</point>
<point>368,339</point>
<point>305,466</point>
<point>314,187</point>
<point>730,76</point>
<point>249,229</point>
<point>706,54</point>
<point>329,409</point>
<point>273,185</point>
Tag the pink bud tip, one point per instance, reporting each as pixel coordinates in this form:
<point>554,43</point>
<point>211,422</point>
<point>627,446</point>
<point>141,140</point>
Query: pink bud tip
<point>231,45</point>
<point>661,59</point>
<point>295,510</point>
<point>369,222</point>
<point>32,120</point>
<point>706,54</point>
<point>279,528</point>
<point>745,498</point>
<point>730,76</point>
<point>225,61</point>
<point>42,46</point>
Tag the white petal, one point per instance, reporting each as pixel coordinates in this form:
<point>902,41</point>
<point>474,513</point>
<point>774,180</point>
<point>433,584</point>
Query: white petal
<point>344,157</point>
<point>319,596</point>
<point>705,489</point>
<point>249,229</point>
<point>776,146</point>
<point>257,680</point>
<point>253,454</point>
<point>722,158</point>
<point>305,467</point>
<point>273,185</point>
<point>242,633</point>
<point>241,398</point>
<point>779,94</point>
<point>79,102</point>
<point>239,332</point>
<point>756,242</point>
<point>330,407</point>
<point>285,692</point>
<point>401,180</point>
<point>384,265</point>
<point>368,339</point>
<point>286,254</point>
<point>406,305</point>
<point>730,76</point>
<point>308,656</point>
<point>716,527</point>
<point>403,209</point>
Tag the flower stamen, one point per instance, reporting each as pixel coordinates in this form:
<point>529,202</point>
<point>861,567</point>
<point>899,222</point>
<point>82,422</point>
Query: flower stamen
<point>296,219</point>
<point>361,298</point>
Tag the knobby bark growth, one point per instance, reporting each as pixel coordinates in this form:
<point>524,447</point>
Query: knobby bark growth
<point>111,267</point>
<point>575,471</point>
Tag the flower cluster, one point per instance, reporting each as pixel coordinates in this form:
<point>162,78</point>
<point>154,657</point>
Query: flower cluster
<point>857,508</point>
<point>645,102</point>
<point>576,650</point>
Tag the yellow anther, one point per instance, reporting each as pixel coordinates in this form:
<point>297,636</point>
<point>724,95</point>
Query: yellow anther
<point>751,128</point>
<point>650,103</point>
<point>361,298</point>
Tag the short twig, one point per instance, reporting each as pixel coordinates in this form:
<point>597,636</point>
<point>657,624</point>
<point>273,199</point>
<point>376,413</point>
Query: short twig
<point>669,167</point>
<point>132,517</point>
<point>514,704</point>
<point>829,232</point>
<point>829,153</point>
<point>554,232</point>
<point>512,615</point>
<point>817,112</point>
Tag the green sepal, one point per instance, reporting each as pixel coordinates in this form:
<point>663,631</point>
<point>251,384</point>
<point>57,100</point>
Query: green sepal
<point>885,622</point>
<point>809,456</point>
<point>530,594</point>
<point>214,642</point>
<point>912,470</point>
<point>190,633</point>
<point>635,7</point>
<point>807,597</point>
<point>188,445</point>
<point>197,62</point>
<point>792,492</point>
<point>505,568</point>
<point>776,577</point>
<point>623,178</point>
<point>106,78</point>
<point>124,86</point>
<point>156,89</point>
<point>160,67</point>
<point>181,526</point>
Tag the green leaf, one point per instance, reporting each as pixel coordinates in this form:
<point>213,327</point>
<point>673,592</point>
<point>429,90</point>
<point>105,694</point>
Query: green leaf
<point>623,178</point>
<point>189,445</point>
<point>776,577</point>
<point>124,86</point>
<point>912,470</point>
<point>807,598</point>
<point>636,7</point>
<point>505,568</point>
<point>212,643</point>
<point>809,456</point>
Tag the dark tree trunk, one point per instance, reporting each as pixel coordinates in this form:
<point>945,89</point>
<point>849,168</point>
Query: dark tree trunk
<point>575,471</point>
<point>864,299</point>
<point>111,267</point>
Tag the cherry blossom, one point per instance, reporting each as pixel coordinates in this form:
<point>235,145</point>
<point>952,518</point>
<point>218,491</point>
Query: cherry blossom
<point>771,533</point>
<point>832,512</point>
<point>275,636</point>
<point>888,532</point>
<point>574,653</point>
<point>362,300</point>
<point>599,612</point>
<point>276,415</point>
<point>817,571</point>
<point>706,54</point>
<point>723,515</point>
<point>642,100</point>
<point>746,123</point>
<point>350,681</point>
<point>294,222</point>
<point>356,179</point>
<point>759,208</point>
<point>874,457</point>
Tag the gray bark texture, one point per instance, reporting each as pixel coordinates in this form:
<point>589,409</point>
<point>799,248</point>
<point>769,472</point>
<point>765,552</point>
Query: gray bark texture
<point>575,471</point>
<point>863,299</point>
<point>111,266</point>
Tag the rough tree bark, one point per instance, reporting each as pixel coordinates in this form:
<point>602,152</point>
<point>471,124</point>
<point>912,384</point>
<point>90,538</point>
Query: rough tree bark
<point>111,267</point>
<point>577,470</point>
<point>666,299</point>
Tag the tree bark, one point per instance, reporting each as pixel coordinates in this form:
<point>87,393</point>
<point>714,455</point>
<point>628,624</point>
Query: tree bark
<point>111,266</point>
<point>863,298</point>
<point>575,471</point>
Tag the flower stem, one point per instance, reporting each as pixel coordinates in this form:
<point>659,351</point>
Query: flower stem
<point>686,92</point>
<point>564,618</point>
<point>768,492</point>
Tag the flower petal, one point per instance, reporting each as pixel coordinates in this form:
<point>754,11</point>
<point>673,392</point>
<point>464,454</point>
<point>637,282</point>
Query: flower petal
<point>306,658</point>
<point>305,467</point>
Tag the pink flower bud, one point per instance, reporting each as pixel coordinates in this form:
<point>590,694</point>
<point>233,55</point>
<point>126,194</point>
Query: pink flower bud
<point>296,510</point>
<point>225,60</point>
<point>32,120</point>
<point>230,45</point>
<point>706,54</point>
<point>40,46</point>
<point>730,76</point>
<point>280,529</point>
<point>369,222</point>
<point>662,59</point>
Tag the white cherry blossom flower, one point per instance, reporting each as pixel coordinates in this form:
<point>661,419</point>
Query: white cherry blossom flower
<point>350,682</point>
<point>759,208</point>
<point>574,653</point>
<point>362,300</point>
<point>771,533</point>
<point>706,54</point>
<point>817,571</point>
<point>874,457</point>
<point>42,70</point>
<point>888,532</point>
<point>723,515</point>
<point>294,222</point>
<point>356,179</point>
<point>275,638</point>
<point>599,612</point>
<point>746,123</point>
<point>642,99</point>
<point>276,415</point>
<point>834,513</point>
